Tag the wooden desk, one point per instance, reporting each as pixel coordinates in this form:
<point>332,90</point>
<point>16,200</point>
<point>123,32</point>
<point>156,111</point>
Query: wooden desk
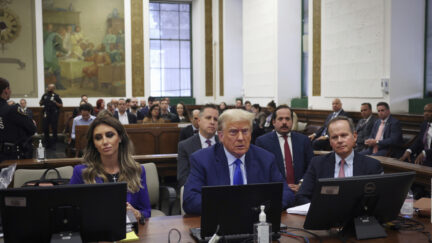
<point>156,230</point>
<point>423,173</point>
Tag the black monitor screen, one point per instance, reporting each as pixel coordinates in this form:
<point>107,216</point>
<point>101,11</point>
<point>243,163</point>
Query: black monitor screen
<point>236,208</point>
<point>96,211</point>
<point>337,201</point>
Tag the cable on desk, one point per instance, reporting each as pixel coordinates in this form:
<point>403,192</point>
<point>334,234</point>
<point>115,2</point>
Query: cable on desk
<point>289,234</point>
<point>169,235</point>
<point>406,224</point>
<point>307,231</point>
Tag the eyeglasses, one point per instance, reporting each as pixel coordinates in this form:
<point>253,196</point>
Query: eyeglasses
<point>235,132</point>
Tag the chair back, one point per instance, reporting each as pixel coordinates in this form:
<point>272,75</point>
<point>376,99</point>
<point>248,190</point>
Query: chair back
<point>181,201</point>
<point>21,176</point>
<point>152,180</point>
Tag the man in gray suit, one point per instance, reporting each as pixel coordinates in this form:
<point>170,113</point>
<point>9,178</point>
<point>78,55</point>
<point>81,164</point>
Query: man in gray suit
<point>364,126</point>
<point>208,124</point>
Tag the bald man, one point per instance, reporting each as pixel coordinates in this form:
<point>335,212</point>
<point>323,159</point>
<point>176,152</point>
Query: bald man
<point>320,139</point>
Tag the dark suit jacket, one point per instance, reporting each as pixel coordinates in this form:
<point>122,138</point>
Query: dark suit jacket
<point>186,132</point>
<point>324,167</point>
<point>131,117</point>
<point>209,167</point>
<point>329,117</point>
<point>141,113</point>
<point>301,150</point>
<point>185,149</point>
<point>364,131</point>
<point>418,146</point>
<point>392,138</point>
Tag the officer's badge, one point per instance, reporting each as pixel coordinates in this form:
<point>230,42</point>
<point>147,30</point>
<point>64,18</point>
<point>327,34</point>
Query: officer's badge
<point>21,111</point>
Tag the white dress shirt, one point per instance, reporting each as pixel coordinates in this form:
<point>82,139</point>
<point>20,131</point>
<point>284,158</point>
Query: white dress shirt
<point>203,141</point>
<point>231,166</point>
<point>282,146</point>
<point>348,166</point>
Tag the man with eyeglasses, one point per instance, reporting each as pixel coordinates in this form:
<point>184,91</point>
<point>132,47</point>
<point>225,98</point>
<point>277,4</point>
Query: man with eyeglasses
<point>234,161</point>
<point>203,138</point>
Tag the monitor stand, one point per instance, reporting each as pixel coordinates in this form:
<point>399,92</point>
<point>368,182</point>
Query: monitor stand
<point>66,237</point>
<point>367,227</point>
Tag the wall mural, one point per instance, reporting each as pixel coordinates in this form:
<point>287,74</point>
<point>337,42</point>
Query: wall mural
<point>18,47</point>
<point>84,47</point>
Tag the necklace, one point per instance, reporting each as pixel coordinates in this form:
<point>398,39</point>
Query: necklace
<point>114,177</point>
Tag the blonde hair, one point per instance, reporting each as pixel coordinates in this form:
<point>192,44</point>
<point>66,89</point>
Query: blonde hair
<point>235,115</point>
<point>130,170</point>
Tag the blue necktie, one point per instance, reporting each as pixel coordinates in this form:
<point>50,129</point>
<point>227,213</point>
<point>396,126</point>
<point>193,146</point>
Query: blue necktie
<point>238,175</point>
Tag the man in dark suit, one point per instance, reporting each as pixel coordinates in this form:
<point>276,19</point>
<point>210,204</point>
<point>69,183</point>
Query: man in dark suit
<point>141,113</point>
<point>283,141</point>
<point>25,109</point>
<point>421,148</point>
<point>320,139</point>
<point>192,129</point>
<point>386,136</point>
<point>234,161</point>
<point>125,117</point>
<point>166,114</point>
<point>203,139</point>
<point>364,126</point>
<point>343,162</point>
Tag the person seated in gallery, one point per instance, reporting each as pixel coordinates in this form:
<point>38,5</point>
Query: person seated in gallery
<point>182,113</point>
<point>154,115</point>
<point>108,158</point>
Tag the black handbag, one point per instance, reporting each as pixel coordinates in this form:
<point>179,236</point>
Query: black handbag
<point>43,181</point>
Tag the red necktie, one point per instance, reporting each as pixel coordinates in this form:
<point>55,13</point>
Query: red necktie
<point>288,162</point>
<point>208,142</point>
<point>341,169</point>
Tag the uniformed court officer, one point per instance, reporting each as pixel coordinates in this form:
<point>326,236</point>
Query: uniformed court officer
<point>16,128</point>
<point>52,104</point>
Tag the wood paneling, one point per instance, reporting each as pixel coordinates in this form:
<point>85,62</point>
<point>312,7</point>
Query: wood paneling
<point>221,49</point>
<point>316,49</point>
<point>137,16</point>
<point>208,48</point>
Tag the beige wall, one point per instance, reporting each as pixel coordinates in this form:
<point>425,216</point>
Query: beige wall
<point>23,81</point>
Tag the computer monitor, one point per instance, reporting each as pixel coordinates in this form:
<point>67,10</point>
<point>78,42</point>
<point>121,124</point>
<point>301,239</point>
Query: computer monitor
<point>95,212</point>
<point>360,201</point>
<point>234,209</point>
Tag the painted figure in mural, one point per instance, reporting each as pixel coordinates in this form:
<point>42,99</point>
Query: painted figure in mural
<point>77,39</point>
<point>53,48</point>
<point>91,72</point>
<point>109,40</point>
<point>67,39</point>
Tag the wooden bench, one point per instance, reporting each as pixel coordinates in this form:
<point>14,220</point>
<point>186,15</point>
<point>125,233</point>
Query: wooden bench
<point>159,138</point>
<point>165,163</point>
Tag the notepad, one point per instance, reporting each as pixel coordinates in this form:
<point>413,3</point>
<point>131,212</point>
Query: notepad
<point>301,210</point>
<point>130,236</point>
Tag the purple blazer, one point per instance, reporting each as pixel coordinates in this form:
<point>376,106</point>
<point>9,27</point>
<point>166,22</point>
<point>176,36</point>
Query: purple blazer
<point>139,200</point>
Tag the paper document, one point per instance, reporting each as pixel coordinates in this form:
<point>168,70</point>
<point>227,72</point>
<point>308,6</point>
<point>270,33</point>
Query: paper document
<point>301,210</point>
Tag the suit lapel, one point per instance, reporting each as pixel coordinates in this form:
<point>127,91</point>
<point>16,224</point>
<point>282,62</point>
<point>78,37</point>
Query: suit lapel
<point>222,170</point>
<point>357,165</point>
<point>331,160</point>
<point>278,155</point>
<point>196,142</point>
